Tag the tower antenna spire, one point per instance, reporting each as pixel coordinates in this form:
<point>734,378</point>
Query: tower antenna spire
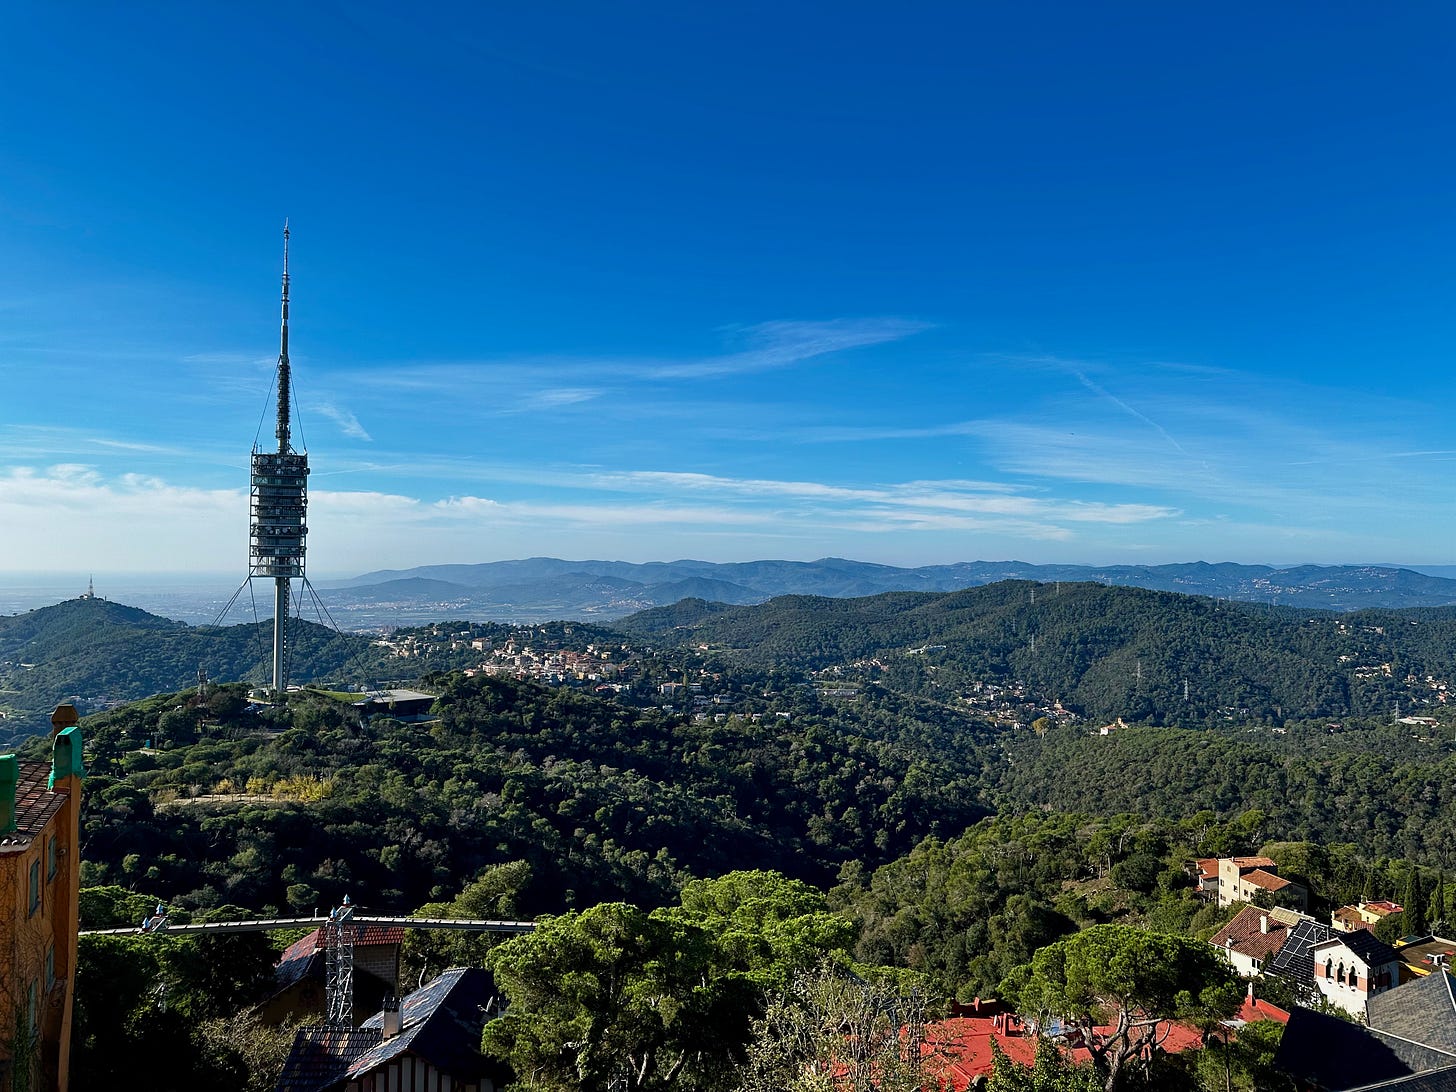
<point>285,377</point>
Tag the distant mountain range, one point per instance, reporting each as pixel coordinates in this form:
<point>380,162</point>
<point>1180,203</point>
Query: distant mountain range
<point>544,588</point>
<point>1106,652</point>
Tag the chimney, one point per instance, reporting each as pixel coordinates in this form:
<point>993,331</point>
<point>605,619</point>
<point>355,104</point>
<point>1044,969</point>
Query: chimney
<point>65,747</point>
<point>392,1020</point>
<point>1263,923</point>
<point>9,778</point>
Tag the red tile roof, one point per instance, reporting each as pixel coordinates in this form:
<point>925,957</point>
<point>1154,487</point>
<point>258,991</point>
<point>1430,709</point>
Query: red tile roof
<point>365,936</point>
<point>1245,934</point>
<point>35,806</point>
<point>1254,862</point>
<point>1267,880</point>
<point>1256,1008</point>
<point>1208,868</point>
<point>962,1046</point>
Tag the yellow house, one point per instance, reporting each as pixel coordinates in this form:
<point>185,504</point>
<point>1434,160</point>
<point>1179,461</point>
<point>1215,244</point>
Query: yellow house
<point>40,873</point>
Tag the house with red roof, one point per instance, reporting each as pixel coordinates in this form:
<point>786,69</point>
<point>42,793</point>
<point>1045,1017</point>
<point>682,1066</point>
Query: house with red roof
<point>1243,879</point>
<point>299,977</point>
<point>1205,871</point>
<point>1251,938</point>
<point>958,1050</point>
<point>1363,915</point>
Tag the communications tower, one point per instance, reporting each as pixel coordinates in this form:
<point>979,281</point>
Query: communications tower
<point>280,502</point>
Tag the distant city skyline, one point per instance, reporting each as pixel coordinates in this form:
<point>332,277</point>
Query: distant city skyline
<point>1067,283</point>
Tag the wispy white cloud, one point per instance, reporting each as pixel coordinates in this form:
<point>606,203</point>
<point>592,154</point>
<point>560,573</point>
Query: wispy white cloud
<point>556,397</point>
<point>783,344</point>
<point>129,445</point>
<point>56,443</point>
<point>1218,437</point>
<point>853,434</point>
<point>228,359</point>
<point>943,498</point>
<point>348,424</point>
<point>547,380</point>
<point>1137,414</point>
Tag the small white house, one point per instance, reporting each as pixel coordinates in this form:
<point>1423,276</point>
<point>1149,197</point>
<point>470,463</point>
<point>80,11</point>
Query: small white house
<point>1353,967</point>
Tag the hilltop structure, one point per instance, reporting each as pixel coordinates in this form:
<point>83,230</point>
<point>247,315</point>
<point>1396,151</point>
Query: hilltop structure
<point>40,876</point>
<point>279,506</point>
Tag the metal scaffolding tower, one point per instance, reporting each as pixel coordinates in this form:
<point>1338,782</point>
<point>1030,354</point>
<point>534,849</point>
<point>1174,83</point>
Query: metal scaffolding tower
<point>279,507</point>
<point>339,967</point>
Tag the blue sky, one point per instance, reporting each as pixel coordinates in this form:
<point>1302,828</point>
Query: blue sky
<point>1054,282</point>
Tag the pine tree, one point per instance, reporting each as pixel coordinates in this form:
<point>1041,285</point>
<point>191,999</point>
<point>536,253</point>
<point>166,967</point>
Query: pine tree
<point>1438,902</point>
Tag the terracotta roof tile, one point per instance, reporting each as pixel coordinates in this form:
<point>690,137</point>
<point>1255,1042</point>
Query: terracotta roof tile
<point>35,806</point>
<point>1256,1008</point>
<point>1245,934</point>
<point>1255,862</point>
<point>1267,880</point>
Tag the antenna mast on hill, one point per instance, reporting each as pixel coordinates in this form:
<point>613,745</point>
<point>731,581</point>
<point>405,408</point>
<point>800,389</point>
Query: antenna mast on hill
<point>280,500</point>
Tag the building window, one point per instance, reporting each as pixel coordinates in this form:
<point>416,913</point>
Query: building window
<point>50,967</point>
<point>31,1011</point>
<point>51,857</point>
<point>34,886</point>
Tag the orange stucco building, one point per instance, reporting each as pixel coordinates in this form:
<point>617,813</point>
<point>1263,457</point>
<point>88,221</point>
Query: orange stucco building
<point>40,872</point>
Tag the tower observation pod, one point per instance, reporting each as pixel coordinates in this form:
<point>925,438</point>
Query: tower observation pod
<point>279,523</point>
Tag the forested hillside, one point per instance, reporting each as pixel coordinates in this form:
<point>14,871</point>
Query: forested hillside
<point>1103,652</point>
<point>98,651</point>
<point>602,800</point>
<point>1386,787</point>
<point>953,847</point>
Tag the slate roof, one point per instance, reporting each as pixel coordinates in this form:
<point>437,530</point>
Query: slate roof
<point>1423,1010</point>
<point>440,1022</point>
<point>1437,1080</point>
<point>322,1055</point>
<point>1370,948</point>
<point>35,806</point>
<point>1336,1055</point>
<point>1243,934</point>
